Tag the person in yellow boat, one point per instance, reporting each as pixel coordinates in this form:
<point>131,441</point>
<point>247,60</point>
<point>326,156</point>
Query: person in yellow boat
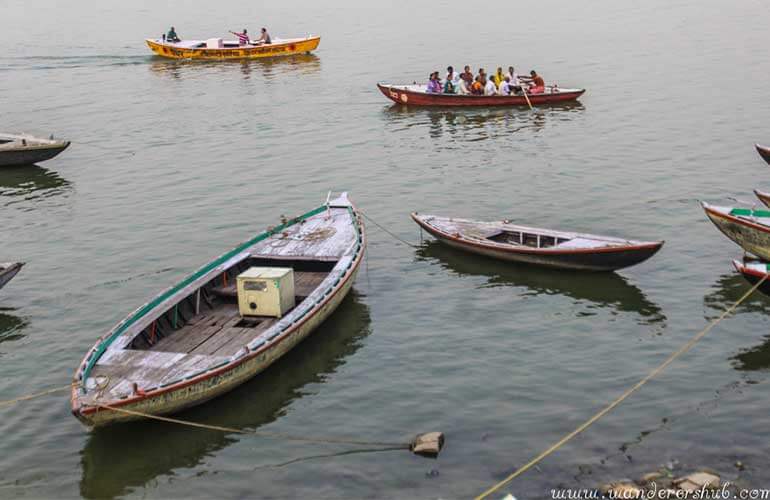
<point>243,38</point>
<point>171,36</point>
<point>264,37</point>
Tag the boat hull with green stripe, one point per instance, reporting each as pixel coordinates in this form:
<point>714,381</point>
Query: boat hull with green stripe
<point>749,228</point>
<point>190,343</point>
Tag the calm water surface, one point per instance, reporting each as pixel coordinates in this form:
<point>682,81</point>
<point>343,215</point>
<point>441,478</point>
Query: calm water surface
<point>175,162</point>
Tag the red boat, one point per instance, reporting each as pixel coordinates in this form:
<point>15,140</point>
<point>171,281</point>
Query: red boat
<point>416,95</point>
<point>763,151</point>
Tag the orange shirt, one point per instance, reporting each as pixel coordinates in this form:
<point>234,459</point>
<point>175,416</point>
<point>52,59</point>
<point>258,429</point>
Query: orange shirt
<point>538,81</point>
<point>477,87</point>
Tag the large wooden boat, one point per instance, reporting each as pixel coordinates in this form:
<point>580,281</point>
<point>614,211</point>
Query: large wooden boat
<point>558,249</point>
<point>763,197</point>
<point>8,270</point>
<point>23,149</point>
<point>747,227</point>
<point>417,95</point>
<point>754,270</point>
<point>201,49</point>
<point>764,152</point>
<point>191,343</point>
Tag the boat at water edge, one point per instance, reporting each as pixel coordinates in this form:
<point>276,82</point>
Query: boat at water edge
<point>764,152</point>
<point>25,149</point>
<point>208,50</point>
<point>196,341</point>
<point>747,227</point>
<point>754,271</point>
<point>8,270</point>
<point>544,247</point>
<point>417,95</point>
<point>763,197</point>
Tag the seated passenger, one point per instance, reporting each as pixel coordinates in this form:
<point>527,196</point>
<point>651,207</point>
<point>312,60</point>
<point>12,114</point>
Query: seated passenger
<point>434,86</point>
<point>264,37</point>
<point>538,84</point>
<point>171,36</point>
<point>243,38</point>
<point>490,88</point>
<point>498,76</point>
<point>449,87</point>
<point>505,86</point>
<point>462,87</point>
<point>467,75</point>
<point>514,83</point>
<point>452,76</point>
<point>478,86</point>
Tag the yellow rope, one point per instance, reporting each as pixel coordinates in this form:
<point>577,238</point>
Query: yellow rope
<point>686,347</point>
<point>35,395</point>
<point>248,431</point>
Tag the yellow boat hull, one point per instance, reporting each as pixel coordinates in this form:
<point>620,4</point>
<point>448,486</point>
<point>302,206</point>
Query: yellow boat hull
<point>280,48</point>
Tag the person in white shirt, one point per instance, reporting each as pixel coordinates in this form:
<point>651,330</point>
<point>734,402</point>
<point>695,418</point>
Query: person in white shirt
<point>490,88</point>
<point>462,87</point>
<point>505,86</point>
<point>515,83</point>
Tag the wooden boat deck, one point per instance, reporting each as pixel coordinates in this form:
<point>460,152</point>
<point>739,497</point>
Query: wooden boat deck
<point>205,340</point>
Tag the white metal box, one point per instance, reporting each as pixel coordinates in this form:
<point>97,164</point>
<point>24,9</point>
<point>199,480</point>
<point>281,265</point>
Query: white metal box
<point>265,291</point>
<point>215,43</point>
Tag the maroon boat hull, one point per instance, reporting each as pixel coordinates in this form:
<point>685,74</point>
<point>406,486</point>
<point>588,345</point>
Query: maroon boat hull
<point>405,96</point>
<point>764,152</point>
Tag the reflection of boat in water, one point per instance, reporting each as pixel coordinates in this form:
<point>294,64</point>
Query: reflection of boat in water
<point>726,292</point>
<point>753,359</point>
<point>304,64</point>
<point>487,122</point>
<point>10,325</point>
<point>30,182</point>
<point>25,149</point>
<point>152,449</point>
<point>604,289</point>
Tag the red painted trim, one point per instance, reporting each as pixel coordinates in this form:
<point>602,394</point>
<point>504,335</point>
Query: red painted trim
<point>398,94</point>
<point>747,271</point>
<point>737,220</point>
<point>531,251</point>
<point>763,197</point>
<point>78,409</point>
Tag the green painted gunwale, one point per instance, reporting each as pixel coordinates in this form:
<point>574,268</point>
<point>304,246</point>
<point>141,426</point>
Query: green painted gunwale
<point>168,293</point>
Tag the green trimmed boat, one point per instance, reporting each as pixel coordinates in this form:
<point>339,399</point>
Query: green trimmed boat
<point>225,323</point>
<point>747,227</point>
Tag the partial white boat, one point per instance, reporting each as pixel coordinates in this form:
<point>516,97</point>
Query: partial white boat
<point>24,149</point>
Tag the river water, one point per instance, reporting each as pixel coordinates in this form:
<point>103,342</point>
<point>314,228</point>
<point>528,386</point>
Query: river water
<point>175,162</point>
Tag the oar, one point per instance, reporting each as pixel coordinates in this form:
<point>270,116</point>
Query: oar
<point>527,97</point>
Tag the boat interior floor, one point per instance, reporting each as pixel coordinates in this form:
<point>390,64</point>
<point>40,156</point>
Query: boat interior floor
<point>221,331</point>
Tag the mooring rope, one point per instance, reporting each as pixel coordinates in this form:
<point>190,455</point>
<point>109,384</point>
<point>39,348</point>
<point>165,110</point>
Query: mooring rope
<point>9,402</point>
<point>386,230</point>
<point>686,347</point>
<point>274,435</point>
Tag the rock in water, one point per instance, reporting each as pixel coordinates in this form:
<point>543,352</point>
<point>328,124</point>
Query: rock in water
<point>698,480</point>
<point>428,444</point>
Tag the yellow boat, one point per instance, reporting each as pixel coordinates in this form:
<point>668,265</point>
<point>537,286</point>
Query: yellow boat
<point>216,49</point>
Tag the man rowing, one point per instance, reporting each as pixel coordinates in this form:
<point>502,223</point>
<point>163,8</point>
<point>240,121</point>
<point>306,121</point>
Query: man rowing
<point>171,36</point>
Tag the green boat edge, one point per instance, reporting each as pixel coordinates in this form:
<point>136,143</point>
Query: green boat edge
<point>138,314</point>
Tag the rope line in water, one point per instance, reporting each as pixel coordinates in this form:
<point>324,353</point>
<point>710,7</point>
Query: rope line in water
<point>9,402</point>
<point>390,233</point>
<point>274,435</point>
<point>686,347</point>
